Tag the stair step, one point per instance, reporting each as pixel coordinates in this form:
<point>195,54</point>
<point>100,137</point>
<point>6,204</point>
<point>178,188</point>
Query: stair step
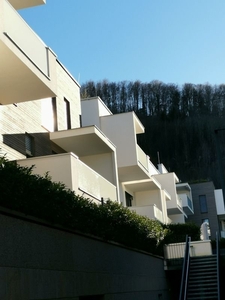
<point>202,297</point>
<point>197,264</point>
<point>202,290</point>
<point>202,282</point>
<point>202,274</point>
<point>203,268</point>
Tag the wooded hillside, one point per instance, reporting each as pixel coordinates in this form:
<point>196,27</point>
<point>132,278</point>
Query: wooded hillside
<point>180,122</point>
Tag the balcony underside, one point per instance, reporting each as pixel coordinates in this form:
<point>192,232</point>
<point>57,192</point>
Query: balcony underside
<point>20,79</point>
<point>188,211</point>
<point>143,185</point>
<point>132,173</point>
<point>175,211</point>
<point>85,141</point>
<point>19,4</point>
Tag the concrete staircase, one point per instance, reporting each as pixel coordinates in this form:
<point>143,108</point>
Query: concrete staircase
<point>202,280</point>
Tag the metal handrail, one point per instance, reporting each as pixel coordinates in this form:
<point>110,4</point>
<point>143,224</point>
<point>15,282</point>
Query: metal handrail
<point>218,264</point>
<point>185,270</point>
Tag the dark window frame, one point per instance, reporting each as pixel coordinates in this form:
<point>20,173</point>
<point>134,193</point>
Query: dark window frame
<point>129,199</point>
<point>29,145</point>
<point>55,117</point>
<point>67,113</point>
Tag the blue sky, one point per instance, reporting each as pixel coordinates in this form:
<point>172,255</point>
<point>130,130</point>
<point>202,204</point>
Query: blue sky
<point>174,41</point>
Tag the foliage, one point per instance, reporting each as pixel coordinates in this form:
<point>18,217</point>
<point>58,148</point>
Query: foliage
<point>37,196</point>
<point>177,232</point>
<point>221,243</point>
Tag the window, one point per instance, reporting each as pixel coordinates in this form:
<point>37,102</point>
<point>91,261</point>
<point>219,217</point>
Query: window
<point>203,204</point>
<point>49,114</point>
<point>67,114</point>
<point>54,110</point>
<point>29,145</point>
<point>129,199</point>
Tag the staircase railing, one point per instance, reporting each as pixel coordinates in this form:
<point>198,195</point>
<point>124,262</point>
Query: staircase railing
<point>185,270</point>
<point>218,263</point>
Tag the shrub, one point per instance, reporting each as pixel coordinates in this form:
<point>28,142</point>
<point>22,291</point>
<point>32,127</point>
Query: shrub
<point>40,197</point>
<point>177,232</point>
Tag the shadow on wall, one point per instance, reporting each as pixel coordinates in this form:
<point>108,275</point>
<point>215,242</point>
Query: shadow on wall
<point>29,144</point>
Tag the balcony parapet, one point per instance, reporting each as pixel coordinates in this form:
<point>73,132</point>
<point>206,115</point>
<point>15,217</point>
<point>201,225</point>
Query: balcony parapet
<point>197,248</point>
<point>187,204</point>
<point>25,39</point>
<point>150,211</point>
<point>75,174</point>
<point>28,66</point>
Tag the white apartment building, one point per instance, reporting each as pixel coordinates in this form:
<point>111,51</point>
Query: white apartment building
<point>44,123</point>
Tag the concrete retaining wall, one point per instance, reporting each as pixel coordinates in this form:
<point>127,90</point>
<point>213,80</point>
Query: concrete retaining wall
<point>38,262</point>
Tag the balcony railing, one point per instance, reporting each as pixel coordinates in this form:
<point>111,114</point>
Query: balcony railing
<point>93,184</point>
<point>21,35</point>
<point>75,174</point>
<point>189,203</point>
<point>142,158</point>
<point>179,202</point>
<point>197,248</point>
<point>150,211</point>
<point>186,203</point>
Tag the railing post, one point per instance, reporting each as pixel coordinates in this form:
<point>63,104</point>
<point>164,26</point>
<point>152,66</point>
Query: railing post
<point>185,270</point>
<point>218,263</point>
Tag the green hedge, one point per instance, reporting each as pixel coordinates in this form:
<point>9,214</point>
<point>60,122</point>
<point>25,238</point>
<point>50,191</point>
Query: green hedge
<point>40,197</point>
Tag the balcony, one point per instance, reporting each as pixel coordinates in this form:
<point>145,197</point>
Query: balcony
<point>83,141</point>
<point>19,4</point>
<point>187,204</point>
<point>145,163</point>
<point>92,147</point>
<point>150,211</point>
<point>28,67</point>
<point>76,175</point>
<point>137,167</point>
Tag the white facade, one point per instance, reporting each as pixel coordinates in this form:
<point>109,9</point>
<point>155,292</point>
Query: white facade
<point>80,143</point>
<point>144,188</point>
<point>28,66</point>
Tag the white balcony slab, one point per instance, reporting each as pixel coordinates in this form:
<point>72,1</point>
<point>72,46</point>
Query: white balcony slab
<point>28,66</point>
<point>150,211</point>
<point>83,141</point>
<point>19,4</point>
